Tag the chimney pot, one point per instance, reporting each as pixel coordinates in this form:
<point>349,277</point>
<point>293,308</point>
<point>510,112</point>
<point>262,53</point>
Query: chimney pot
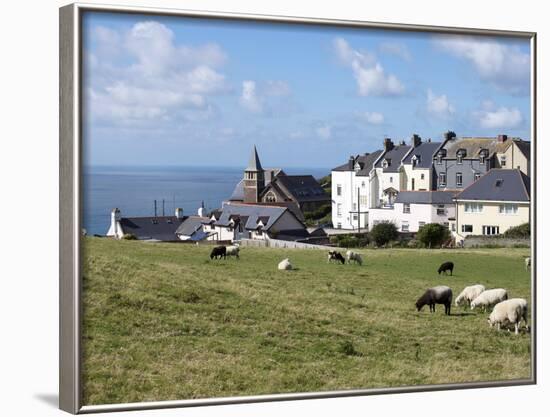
<point>388,144</point>
<point>502,138</point>
<point>179,213</point>
<point>416,140</point>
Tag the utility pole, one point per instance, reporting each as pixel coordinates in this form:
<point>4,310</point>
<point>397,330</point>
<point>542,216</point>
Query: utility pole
<point>358,210</point>
<point>155,208</point>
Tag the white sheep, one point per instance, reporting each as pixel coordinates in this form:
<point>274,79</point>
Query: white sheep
<point>232,250</point>
<point>489,298</point>
<point>285,265</point>
<point>527,263</point>
<point>354,256</point>
<point>469,294</point>
<point>511,311</point>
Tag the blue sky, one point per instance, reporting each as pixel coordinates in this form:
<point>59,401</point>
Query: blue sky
<point>179,91</point>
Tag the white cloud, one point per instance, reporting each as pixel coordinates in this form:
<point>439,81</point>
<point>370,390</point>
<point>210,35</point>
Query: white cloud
<point>439,106</point>
<point>373,118</point>
<point>369,74</point>
<point>506,67</point>
<point>396,49</point>
<point>142,75</point>
<point>501,118</point>
<point>277,88</point>
<point>249,97</point>
<point>324,131</point>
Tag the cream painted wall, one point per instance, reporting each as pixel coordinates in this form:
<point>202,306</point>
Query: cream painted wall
<point>490,216</point>
<point>420,184</point>
<point>514,159</point>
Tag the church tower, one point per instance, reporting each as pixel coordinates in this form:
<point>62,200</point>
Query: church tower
<point>254,181</point>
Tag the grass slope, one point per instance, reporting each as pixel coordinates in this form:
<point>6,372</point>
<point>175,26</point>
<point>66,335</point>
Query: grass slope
<point>163,322</point>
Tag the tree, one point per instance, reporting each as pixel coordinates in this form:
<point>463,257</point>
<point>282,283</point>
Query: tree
<point>383,233</point>
<point>433,234</point>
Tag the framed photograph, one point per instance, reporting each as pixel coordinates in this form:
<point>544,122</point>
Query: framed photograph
<point>257,208</point>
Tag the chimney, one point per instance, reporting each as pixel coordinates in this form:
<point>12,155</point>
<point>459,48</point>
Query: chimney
<point>388,144</point>
<point>502,138</point>
<point>115,219</point>
<point>179,213</point>
<point>415,140</point>
<point>449,135</point>
<point>351,163</point>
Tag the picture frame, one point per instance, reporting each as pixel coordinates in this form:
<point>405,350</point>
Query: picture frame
<point>71,207</point>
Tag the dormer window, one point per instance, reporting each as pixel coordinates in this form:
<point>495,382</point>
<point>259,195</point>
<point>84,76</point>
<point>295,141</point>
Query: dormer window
<point>460,154</point>
<point>357,167</point>
<point>440,155</point>
<point>415,160</point>
<point>503,161</point>
<point>498,183</point>
<point>483,155</point>
<point>386,163</point>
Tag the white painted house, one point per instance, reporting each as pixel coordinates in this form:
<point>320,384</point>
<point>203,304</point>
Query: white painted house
<point>414,209</point>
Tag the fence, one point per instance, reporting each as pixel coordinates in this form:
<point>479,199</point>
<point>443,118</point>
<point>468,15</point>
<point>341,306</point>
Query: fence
<point>283,244</point>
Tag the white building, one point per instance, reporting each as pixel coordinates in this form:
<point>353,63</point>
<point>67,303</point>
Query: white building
<point>351,192</point>
<point>414,209</point>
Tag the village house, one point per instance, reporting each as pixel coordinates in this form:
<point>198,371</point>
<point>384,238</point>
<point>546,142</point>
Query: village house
<point>273,185</point>
<point>496,202</point>
<point>236,221</point>
<point>153,228</point>
<point>414,209</point>
<point>462,161</point>
<point>417,173</point>
<point>351,191</point>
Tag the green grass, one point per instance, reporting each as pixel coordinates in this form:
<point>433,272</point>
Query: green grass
<point>163,322</point>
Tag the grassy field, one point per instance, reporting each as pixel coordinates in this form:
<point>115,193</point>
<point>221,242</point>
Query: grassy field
<point>163,322</point>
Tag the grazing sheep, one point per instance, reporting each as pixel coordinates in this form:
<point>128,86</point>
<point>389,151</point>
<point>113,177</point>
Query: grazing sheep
<point>446,266</point>
<point>285,265</point>
<point>527,263</point>
<point>218,251</point>
<point>232,250</point>
<point>354,256</point>
<point>469,294</point>
<point>436,295</point>
<point>489,298</point>
<point>336,257</point>
<point>511,311</point>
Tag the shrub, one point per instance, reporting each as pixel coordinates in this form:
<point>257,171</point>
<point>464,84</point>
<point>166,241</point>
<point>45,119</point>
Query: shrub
<point>356,240</point>
<point>383,233</point>
<point>521,231</point>
<point>433,234</point>
<point>129,236</point>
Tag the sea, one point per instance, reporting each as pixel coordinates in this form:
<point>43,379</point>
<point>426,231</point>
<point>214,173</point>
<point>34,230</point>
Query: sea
<point>134,190</point>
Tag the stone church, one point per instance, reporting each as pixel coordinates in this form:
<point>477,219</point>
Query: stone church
<point>273,185</point>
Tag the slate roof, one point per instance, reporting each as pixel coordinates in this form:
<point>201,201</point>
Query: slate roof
<point>396,154</point>
<point>191,225</point>
<point>425,152</point>
<point>524,147</point>
<point>161,228</point>
<point>366,163</point>
<point>302,187</point>
<point>238,191</point>
<point>425,197</point>
<point>499,185</point>
<point>251,212</point>
<point>473,145</point>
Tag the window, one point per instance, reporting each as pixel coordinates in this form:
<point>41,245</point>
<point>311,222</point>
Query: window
<point>339,210</point>
<point>363,184</point>
<point>439,159</point>
<point>467,228</point>
<point>412,184</point>
<point>212,227</point>
<point>490,230</point>
<point>503,161</point>
<point>404,226</point>
<point>473,207</point>
<point>421,176</point>
<point>354,206</point>
<point>406,208</point>
<point>391,179</point>
<point>339,189</point>
<point>453,227</point>
<point>442,179</point>
<point>421,224</point>
<point>363,200</point>
<point>338,225</point>
<point>477,176</point>
<point>441,209</point>
<point>259,232</point>
<point>270,198</point>
<point>459,179</point>
<point>355,216</point>
<point>459,159</point>
<point>508,209</point>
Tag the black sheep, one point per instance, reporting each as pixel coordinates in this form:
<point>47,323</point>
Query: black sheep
<point>436,295</point>
<point>336,256</point>
<point>218,251</point>
<point>446,266</point>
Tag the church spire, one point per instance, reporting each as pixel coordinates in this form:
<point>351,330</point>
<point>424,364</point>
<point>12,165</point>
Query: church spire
<point>254,161</point>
